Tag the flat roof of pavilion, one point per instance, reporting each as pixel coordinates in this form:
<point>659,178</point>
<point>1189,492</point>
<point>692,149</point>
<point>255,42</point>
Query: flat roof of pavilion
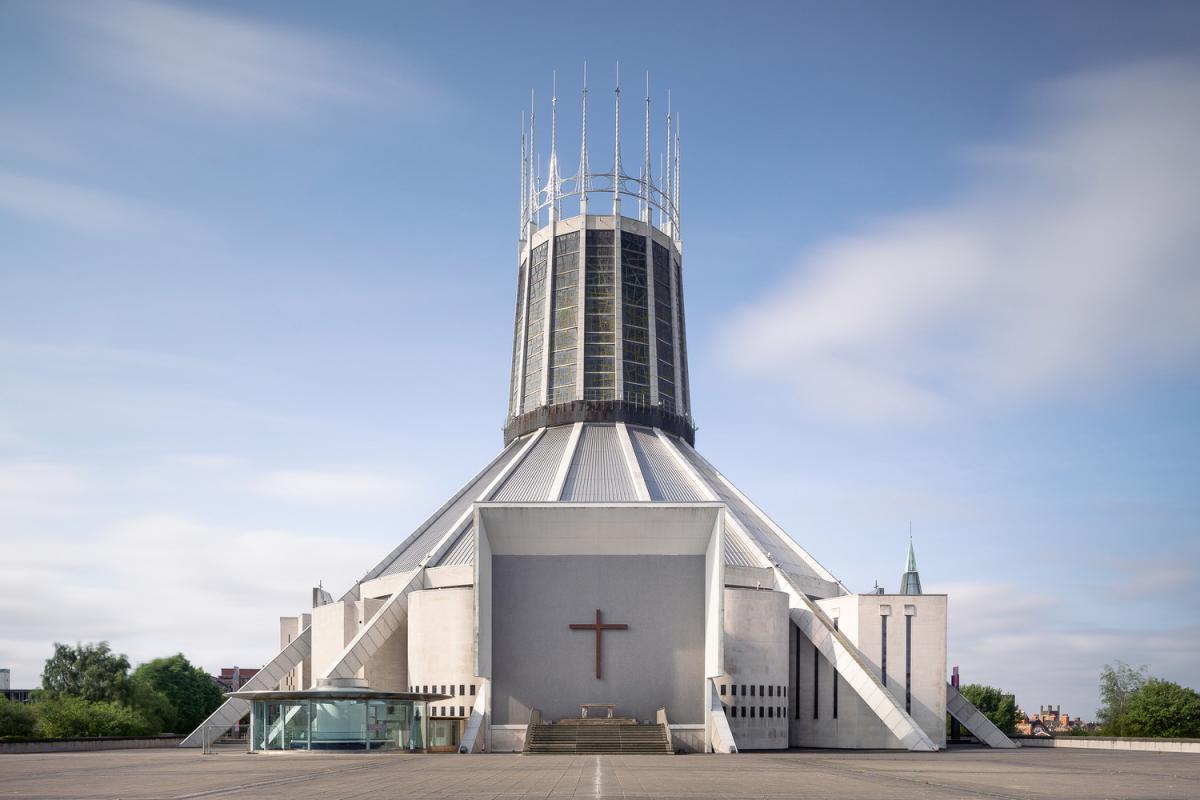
<point>336,693</point>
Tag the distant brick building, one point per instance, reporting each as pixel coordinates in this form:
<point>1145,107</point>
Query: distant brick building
<point>1047,722</point>
<point>233,678</point>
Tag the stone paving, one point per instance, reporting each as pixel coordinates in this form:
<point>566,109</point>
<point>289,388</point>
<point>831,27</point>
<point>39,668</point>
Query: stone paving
<point>957,773</point>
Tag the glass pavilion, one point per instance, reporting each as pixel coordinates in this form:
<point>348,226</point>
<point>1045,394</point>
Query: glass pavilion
<point>349,716</point>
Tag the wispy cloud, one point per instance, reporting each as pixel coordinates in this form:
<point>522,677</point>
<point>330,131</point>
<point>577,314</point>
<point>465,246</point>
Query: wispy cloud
<point>316,486</point>
<point>86,209</point>
<point>238,64</point>
<point>1068,262</point>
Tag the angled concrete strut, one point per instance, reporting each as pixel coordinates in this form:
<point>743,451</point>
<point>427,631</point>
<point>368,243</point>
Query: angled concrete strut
<point>974,721</point>
<point>849,663</point>
<point>268,677</point>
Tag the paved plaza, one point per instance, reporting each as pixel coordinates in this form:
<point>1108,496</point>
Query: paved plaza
<point>957,773</point>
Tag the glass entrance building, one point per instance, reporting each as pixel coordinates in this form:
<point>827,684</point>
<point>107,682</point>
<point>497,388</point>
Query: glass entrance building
<point>342,717</point>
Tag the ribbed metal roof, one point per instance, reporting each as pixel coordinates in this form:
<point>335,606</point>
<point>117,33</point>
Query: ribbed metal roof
<point>754,524</point>
<point>532,479</point>
<point>409,554</point>
<point>665,481</point>
<point>599,472</point>
<point>462,551</point>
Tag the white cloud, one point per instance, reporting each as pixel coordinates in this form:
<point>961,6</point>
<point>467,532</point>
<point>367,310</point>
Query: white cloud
<point>314,486</point>
<point>1068,263</point>
<point>41,489</point>
<point>87,209</point>
<point>157,584</point>
<point>237,64</point>
<point>1022,639</point>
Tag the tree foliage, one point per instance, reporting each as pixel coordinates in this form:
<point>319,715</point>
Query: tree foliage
<point>16,719</point>
<point>69,717</point>
<point>189,690</point>
<point>163,694</point>
<point>1137,705</point>
<point>154,706</point>
<point>90,672</point>
<point>996,705</point>
<point>1117,685</point>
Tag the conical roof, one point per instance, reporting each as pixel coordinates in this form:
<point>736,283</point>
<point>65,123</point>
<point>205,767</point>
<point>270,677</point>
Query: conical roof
<point>604,463</point>
<point>910,581</point>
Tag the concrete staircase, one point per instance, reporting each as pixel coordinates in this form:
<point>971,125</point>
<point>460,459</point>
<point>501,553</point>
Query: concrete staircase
<point>587,737</point>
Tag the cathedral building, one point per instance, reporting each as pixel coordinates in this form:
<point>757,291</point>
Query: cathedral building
<point>599,585</point>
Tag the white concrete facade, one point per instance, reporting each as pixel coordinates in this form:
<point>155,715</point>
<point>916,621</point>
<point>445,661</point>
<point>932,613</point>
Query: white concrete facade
<point>599,505</point>
<point>771,641</point>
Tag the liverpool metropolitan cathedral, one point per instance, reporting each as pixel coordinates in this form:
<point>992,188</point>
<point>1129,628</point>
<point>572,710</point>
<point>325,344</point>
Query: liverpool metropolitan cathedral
<point>599,585</point>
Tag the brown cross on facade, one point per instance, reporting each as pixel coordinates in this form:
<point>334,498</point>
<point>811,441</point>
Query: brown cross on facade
<point>598,627</point>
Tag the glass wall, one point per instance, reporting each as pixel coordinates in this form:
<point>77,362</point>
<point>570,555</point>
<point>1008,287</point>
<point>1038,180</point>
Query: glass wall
<point>514,402</point>
<point>535,327</point>
<point>683,392</point>
<point>565,315</point>
<point>340,725</point>
<point>635,341</point>
<point>599,331</point>
<point>664,327</point>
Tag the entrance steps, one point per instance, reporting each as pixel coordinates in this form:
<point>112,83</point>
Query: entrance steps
<point>592,737</point>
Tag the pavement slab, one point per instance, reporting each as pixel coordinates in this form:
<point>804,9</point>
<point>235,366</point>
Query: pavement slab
<point>172,774</point>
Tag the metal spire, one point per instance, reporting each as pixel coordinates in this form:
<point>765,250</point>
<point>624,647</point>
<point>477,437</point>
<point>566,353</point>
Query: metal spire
<point>617,148</point>
<point>667,190</point>
<point>661,171</point>
<point>524,196</point>
<point>646,164</point>
<point>676,199</point>
<point>552,166</point>
<point>532,149</point>
<point>584,178</point>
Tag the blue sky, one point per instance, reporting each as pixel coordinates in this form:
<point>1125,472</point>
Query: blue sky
<point>256,278</point>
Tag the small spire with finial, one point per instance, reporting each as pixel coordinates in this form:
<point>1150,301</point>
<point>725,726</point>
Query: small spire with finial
<point>910,581</point>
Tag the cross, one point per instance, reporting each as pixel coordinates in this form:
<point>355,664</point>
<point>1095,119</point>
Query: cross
<point>598,627</point>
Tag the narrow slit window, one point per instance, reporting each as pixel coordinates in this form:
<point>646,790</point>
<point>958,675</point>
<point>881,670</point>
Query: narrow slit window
<point>816,683</point>
<point>883,618</point>
<point>835,679</point>
<point>908,663</point>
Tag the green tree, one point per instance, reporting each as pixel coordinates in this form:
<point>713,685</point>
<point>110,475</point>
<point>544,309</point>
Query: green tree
<point>91,672</point>
<point>16,719</point>
<point>1162,708</point>
<point>1117,685</point>
<point>154,706</point>
<point>69,717</point>
<point>190,691</point>
<point>997,706</point>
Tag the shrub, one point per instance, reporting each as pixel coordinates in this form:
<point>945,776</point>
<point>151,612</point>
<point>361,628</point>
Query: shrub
<point>69,717</point>
<point>16,720</point>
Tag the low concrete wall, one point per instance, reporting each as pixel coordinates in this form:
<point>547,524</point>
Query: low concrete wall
<point>688,738</point>
<point>95,743</point>
<point>1112,743</point>
<point>508,738</point>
